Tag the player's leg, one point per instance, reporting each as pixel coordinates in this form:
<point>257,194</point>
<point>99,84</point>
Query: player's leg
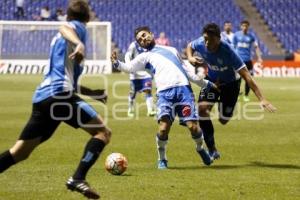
<point>38,129</point>
<point>162,140</point>
<point>205,104</point>
<point>187,112</point>
<point>86,117</point>
<point>147,89</point>
<point>165,117</point>
<point>198,138</point>
<point>149,102</point>
<point>228,98</point>
<point>249,65</point>
<point>18,152</point>
<point>131,99</point>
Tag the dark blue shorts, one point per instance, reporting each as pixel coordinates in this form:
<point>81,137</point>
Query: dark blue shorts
<point>140,85</point>
<point>226,99</point>
<point>47,115</point>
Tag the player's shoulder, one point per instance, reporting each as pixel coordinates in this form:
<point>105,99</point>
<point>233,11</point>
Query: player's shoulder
<point>237,33</point>
<point>199,40</point>
<point>76,24</point>
<point>198,43</point>
<point>226,49</point>
<point>252,35</point>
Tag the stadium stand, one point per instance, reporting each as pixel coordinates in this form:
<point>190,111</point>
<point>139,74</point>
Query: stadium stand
<point>282,16</point>
<point>182,20</point>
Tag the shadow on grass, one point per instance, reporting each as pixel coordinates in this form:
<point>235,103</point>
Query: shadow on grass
<point>206,167</point>
<point>271,165</point>
<point>229,167</point>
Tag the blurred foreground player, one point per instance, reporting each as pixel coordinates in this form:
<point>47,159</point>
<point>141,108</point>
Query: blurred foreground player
<point>55,101</point>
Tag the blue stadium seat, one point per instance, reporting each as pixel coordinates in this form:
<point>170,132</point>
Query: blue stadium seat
<point>182,20</point>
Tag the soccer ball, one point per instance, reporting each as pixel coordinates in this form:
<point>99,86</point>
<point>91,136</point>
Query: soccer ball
<point>116,163</point>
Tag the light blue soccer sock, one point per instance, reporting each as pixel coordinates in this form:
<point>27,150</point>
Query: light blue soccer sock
<point>161,147</point>
<point>198,138</point>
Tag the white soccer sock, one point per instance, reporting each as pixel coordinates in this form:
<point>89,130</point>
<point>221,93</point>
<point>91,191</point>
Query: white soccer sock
<point>199,142</point>
<point>130,103</point>
<point>149,102</point>
<point>161,148</point>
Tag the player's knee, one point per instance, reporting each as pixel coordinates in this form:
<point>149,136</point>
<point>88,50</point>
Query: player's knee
<point>194,128</point>
<point>163,134</point>
<point>104,135</point>
<point>203,111</point>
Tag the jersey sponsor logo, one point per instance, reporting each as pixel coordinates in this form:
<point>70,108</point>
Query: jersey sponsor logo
<point>186,111</point>
<point>242,45</point>
<point>216,68</point>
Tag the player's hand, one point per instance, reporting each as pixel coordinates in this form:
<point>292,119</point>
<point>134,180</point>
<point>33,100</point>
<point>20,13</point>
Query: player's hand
<point>114,58</point>
<point>100,95</point>
<point>267,106</point>
<point>78,53</point>
<point>196,61</point>
<point>215,87</point>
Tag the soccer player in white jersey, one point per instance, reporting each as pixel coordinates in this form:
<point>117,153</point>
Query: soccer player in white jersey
<point>227,34</point>
<point>225,68</point>
<point>174,93</point>
<point>55,100</point>
<point>140,81</point>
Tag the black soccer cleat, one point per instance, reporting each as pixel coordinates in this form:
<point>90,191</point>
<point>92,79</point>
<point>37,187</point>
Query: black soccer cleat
<point>82,187</point>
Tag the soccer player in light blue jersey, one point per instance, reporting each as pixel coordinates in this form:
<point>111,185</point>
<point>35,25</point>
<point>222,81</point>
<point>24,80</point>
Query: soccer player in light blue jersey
<point>140,81</point>
<point>225,68</point>
<point>174,93</point>
<point>243,41</point>
<point>55,100</point>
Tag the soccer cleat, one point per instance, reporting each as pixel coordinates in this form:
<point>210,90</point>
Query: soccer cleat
<point>82,187</point>
<point>151,113</point>
<point>207,160</point>
<point>130,112</point>
<point>162,164</point>
<point>246,99</point>
<point>214,154</point>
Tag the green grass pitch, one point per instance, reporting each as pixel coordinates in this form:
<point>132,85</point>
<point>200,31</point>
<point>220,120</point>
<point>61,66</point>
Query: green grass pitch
<point>260,159</point>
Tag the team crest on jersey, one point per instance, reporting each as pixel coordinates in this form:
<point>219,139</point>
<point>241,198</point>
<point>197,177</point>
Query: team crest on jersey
<point>220,61</point>
<point>186,111</point>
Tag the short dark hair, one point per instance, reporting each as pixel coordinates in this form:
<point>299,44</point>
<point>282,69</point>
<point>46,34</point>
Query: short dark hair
<point>141,28</point>
<point>212,29</point>
<point>227,22</point>
<point>245,22</point>
<point>78,10</point>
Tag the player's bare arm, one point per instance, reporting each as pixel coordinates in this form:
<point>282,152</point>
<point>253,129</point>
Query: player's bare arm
<point>194,60</point>
<point>69,34</point>
<point>252,84</point>
<point>258,53</point>
<point>98,94</point>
